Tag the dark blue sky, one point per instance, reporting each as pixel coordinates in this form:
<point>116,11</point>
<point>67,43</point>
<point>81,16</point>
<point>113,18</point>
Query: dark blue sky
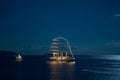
<point>87,24</point>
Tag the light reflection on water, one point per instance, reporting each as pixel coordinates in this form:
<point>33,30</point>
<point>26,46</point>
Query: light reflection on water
<point>105,67</point>
<point>85,68</point>
<point>109,57</point>
<point>61,71</point>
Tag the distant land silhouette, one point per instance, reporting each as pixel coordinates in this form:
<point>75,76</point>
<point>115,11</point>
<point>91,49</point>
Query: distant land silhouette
<point>7,53</point>
<point>7,56</point>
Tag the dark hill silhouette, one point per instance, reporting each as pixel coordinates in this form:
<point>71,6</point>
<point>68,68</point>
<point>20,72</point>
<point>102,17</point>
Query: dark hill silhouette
<point>7,53</point>
<point>7,56</point>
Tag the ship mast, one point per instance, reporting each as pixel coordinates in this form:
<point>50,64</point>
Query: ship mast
<point>55,49</point>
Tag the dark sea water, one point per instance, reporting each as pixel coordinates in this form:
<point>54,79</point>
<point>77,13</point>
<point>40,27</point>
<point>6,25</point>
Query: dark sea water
<point>85,68</point>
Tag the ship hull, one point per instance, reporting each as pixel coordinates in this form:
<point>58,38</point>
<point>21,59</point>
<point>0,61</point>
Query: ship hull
<point>60,59</point>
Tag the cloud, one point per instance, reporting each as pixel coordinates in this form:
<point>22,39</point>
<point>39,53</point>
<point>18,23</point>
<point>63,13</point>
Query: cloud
<point>113,44</point>
<point>117,15</point>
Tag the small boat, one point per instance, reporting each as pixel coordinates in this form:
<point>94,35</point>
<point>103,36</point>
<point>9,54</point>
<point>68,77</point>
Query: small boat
<point>18,57</point>
<point>60,51</point>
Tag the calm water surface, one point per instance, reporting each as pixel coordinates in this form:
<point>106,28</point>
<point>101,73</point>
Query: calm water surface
<point>85,68</point>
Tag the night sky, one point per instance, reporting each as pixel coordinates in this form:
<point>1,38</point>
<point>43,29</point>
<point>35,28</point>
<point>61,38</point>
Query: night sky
<point>91,26</point>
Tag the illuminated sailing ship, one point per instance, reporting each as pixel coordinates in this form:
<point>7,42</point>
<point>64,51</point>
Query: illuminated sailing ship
<point>18,57</point>
<point>60,51</point>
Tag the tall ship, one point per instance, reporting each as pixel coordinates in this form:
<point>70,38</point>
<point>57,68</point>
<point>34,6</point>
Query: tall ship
<point>60,51</point>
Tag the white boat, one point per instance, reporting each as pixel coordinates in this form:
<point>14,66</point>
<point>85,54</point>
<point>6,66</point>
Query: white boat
<point>19,57</point>
<point>60,51</point>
